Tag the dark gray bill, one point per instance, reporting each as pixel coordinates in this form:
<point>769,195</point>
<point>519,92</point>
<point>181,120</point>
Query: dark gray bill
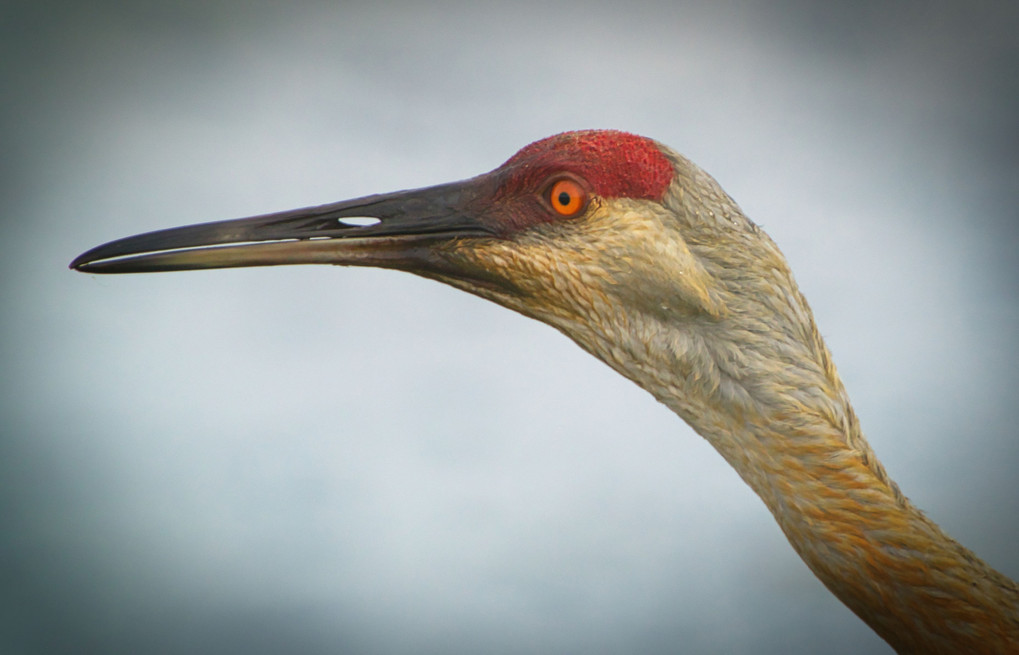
<point>393,230</point>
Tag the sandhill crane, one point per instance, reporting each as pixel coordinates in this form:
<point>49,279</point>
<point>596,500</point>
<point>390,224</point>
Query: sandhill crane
<point>644,261</point>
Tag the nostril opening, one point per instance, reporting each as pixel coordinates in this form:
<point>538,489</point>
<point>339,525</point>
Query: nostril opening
<point>359,221</point>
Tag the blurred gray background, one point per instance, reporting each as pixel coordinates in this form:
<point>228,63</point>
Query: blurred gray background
<point>325,460</point>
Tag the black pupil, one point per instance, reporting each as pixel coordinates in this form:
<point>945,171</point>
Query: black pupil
<point>564,198</point>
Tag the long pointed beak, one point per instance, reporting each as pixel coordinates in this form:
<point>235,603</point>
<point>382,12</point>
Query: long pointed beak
<point>393,230</point>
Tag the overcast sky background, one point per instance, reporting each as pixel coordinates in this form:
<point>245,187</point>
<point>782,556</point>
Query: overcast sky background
<point>323,460</point>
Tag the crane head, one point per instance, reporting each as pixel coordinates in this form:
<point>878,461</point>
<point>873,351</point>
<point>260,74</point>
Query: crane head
<point>601,234</point>
<point>587,210</point>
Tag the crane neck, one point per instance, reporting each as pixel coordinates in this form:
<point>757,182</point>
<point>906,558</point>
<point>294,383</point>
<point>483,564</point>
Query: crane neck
<point>896,569</point>
<point>799,446</point>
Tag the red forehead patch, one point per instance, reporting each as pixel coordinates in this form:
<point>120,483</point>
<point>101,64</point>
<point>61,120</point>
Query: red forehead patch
<point>616,164</point>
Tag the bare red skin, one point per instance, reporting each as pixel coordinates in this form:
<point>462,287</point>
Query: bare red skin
<point>606,163</point>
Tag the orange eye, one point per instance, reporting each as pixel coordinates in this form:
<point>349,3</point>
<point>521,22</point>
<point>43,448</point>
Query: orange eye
<point>567,197</point>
